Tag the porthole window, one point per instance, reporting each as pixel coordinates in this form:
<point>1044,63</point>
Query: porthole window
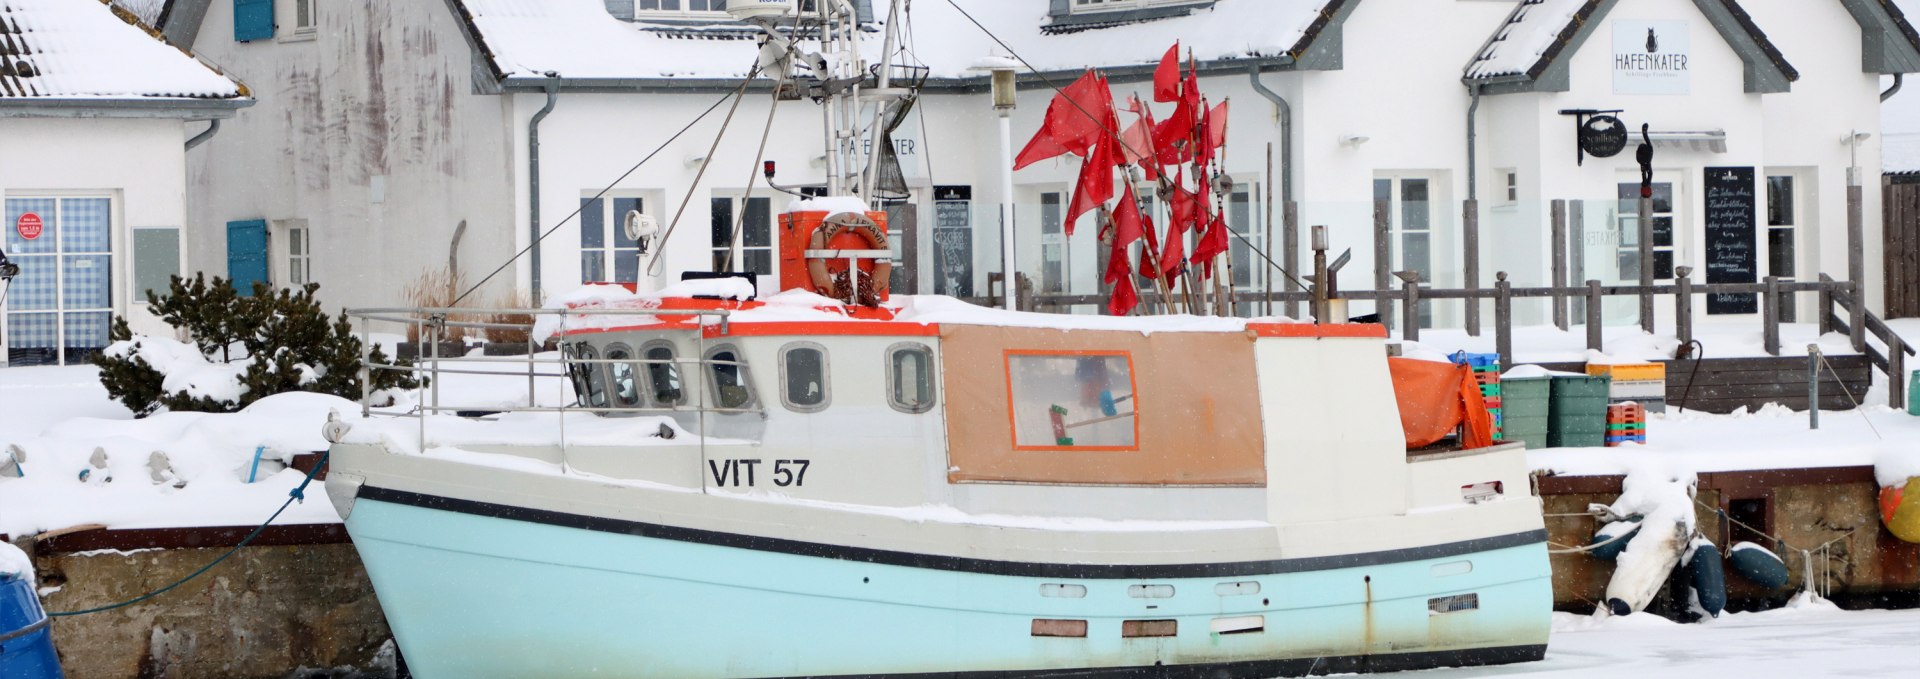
<point>663,375</point>
<point>596,379</point>
<point>803,377</point>
<point>576,371</point>
<point>727,375</point>
<point>910,377</point>
<point>626,390</point>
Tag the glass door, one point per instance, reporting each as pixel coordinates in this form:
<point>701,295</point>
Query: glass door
<point>59,308</point>
<point>1411,241</point>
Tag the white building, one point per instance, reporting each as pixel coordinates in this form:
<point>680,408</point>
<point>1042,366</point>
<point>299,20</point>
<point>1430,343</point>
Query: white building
<point>382,127</point>
<point>94,139</point>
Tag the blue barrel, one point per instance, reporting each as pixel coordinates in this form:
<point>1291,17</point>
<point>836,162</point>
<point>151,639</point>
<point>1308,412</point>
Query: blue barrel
<point>1708,577</point>
<point>26,646</point>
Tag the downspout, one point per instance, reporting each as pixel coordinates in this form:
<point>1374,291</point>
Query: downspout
<point>1286,133</point>
<point>1895,89</point>
<point>213,126</point>
<point>1473,136</point>
<point>533,183</point>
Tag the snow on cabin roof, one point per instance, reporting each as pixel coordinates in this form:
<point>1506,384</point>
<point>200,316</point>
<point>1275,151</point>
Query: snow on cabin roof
<point>578,39</point>
<point>88,49</point>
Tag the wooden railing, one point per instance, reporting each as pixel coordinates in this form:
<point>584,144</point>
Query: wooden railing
<point>1835,297</point>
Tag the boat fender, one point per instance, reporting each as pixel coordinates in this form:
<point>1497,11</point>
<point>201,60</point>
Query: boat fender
<point>1757,564</point>
<point>1624,530</point>
<point>1900,509</point>
<point>1707,577</point>
<point>851,223</point>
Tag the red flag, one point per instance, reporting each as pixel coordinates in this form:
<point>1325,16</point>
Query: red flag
<point>1095,185</point>
<point>1182,207</point>
<point>1072,124</point>
<point>1212,244</point>
<point>1171,136</point>
<point>1217,125</point>
<point>1127,227</point>
<point>1124,297</point>
<point>1166,78</point>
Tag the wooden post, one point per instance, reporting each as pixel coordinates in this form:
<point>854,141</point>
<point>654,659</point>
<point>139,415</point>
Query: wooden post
<point>1382,259</point>
<point>1290,235</point>
<point>1593,314</point>
<point>1503,317</point>
<point>1470,241</point>
<point>1826,304</point>
<point>1856,264</point>
<point>1410,315</point>
<point>1646,263</point>
<point>1770,316</point>
<point>1813,386</point>
<point>1559,258</point>
<point>1896,372</point>
<point>1683,308</point>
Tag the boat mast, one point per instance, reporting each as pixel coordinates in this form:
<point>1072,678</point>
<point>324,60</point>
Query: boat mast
<point>882,95</point>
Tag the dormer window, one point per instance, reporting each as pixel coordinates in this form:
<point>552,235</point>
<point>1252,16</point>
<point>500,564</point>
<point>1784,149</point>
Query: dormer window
<point>1089,6</point>
<point>667,9</point>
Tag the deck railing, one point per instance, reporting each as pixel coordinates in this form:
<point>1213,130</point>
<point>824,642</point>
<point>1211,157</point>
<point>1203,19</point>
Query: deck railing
<point>432,325</point>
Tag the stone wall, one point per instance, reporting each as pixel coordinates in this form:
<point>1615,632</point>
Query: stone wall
<point>266,612</point>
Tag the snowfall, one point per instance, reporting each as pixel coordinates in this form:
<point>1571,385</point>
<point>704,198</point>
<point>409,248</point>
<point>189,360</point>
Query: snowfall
<point>73,459</point>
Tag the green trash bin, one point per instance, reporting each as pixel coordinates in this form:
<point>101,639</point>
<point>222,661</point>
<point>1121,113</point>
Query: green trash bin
<point>1913,400</point>
<point>1577,411</point>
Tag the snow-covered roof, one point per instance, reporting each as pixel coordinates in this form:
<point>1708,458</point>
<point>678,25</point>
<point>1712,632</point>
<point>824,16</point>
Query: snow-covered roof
<point>1538,32</point>
<point>1900,116</point>
<point>87,49</point>
<point>579,39</point>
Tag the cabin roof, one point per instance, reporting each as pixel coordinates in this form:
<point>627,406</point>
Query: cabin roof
<point>94,50</point>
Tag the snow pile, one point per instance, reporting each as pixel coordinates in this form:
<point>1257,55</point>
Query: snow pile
<point>1893,465</point>
<point>722,288</point>
<point>932,309</point>
<point>14,563</point>
<point>186,369</point>
<point>170,469</point>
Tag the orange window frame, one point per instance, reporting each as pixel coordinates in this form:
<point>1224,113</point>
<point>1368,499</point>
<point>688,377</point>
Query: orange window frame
<point>1013,426</point>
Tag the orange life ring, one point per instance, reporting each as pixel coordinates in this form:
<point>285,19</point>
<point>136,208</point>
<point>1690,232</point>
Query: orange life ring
<point>847,231</point>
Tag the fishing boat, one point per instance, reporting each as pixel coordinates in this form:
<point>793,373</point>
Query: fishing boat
<point>832,480</point>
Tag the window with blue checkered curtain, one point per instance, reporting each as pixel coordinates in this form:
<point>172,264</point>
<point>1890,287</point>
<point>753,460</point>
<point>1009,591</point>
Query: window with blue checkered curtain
<point>59,308</point>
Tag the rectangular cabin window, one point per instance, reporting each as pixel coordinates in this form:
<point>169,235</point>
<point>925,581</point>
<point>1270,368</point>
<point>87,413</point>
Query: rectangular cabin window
<point>803,376</point>
<point>1072,401</point>
<point>910,376</point>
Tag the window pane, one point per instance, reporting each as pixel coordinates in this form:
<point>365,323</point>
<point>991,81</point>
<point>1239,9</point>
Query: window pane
<point>596,378</point>
<point>663,377</point>
<point>626,392</point>
<point>760,262</point>
<point>296,242</point>
<point>89,281</point>
<point>85,224</point>
<point>42,209</point>
<point>1779,201</point>
<point>1780,252</point>
<point>31,339</point>
<point>593,266</point>
<point>1382,190</point>
<point>1417,255</point>
<point>1072,401</point>
<point>626,265</point>
<point>593,224</point>
<point>1050,213</point>
<point>912,379</point>
<point>156,260</point>
<point>1663,264</point>
<point>758,231</point>
<point>34,289</point>
<point>85,334</point>
<point>1662,231</point>
<point>805,370</point>
<point>730,381</point>
<point>1415,214</point>
<point>1629,265</point>
<point>621,206</point>
<point>720,231</point>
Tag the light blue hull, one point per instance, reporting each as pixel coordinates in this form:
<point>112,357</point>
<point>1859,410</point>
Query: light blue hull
<point>472,596</point>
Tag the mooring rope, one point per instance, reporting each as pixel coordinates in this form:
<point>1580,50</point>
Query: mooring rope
<point>297,494</point>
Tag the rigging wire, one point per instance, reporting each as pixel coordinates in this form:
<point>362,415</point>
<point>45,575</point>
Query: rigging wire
<point>603,192</point>
<point>1114,134</point>
<point>753,174</point>
<point>660,249</point>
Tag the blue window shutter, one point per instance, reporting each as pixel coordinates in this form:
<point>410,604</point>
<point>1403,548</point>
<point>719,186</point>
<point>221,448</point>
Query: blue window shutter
<point>252,20</point>
<point>247,254</point>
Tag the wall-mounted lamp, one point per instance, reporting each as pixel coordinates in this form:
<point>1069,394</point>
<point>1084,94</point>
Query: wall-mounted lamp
<point>695,161</point>
<point>1353,140</point>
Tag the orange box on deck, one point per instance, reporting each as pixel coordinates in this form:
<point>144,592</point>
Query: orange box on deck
<point>796,232</point>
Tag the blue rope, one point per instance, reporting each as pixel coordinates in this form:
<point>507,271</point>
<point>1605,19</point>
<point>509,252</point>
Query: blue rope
<point>298,493</point>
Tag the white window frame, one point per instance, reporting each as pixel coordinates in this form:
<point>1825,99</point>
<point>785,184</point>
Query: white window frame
<point>119,268</point>
<point>285,236</point>
<point>1096,6</point>
<point>612,224</point>
<point>287,20</point>
<point>738,262</point>
<point>682,10</point>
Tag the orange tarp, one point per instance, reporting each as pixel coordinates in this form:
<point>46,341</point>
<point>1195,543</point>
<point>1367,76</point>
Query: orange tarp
<point>1436,398</point>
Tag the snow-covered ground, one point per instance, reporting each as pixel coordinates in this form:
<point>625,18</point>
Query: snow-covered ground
<point>1809,639</point>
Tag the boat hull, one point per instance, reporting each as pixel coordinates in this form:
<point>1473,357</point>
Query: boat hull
<point>479,590</point>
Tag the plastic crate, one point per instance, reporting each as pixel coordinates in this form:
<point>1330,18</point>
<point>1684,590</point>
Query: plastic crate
<point>1486,378</point>
<point>1489,390</point>
<point>1615,441</point>
<point>1913,404</point>
<point>1476,360</point>
<point>1525,425</point>
<point>1575,386</point>
<point>1653,405</point>
<point>1525,396</point>
<point>1577,411</point>
<point>1533,441</point>
<point>1614,427</point>
<point>1638,389</point>
<point>1629,372</point>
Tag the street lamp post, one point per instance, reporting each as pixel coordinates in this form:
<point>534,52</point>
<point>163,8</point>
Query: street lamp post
<point>1003,103</point>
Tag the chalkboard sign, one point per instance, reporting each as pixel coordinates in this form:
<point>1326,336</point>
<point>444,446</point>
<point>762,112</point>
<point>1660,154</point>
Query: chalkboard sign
<point>953,240</point>
<point>1731,233</point>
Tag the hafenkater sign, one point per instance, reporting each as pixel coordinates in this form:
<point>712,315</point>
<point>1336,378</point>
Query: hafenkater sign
<point>1650,57</point>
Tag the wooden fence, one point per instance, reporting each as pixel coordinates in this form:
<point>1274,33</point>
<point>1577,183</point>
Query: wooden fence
<point>1900,212</point>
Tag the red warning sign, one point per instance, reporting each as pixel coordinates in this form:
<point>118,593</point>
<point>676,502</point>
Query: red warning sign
<point>28,225</point>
